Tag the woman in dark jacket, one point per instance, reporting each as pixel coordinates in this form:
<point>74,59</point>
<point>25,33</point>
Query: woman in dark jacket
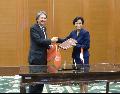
<point>80,52</point>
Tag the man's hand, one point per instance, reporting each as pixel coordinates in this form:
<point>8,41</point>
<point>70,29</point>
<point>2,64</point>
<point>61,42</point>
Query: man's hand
<point>54,39</point>
<point>51,46</point>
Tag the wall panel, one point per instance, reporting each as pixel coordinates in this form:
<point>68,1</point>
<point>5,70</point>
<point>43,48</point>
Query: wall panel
<point>101,20</point>
<point>8,33</point>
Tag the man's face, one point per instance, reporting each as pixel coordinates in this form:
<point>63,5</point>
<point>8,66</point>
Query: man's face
<point>78,24</point>
<point>42,19</point>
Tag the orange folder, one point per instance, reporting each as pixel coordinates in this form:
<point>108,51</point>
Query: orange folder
<point>54,57</point>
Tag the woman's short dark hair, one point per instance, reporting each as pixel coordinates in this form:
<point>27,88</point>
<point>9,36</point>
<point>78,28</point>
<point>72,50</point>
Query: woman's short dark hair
<point>78,18</point>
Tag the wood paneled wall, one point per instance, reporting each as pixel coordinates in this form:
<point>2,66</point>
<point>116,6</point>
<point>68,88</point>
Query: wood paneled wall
<point>101,20</point>
<point>8,32</point>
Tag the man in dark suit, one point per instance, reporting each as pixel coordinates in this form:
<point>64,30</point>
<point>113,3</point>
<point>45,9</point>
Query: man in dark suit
<point>39,43</point>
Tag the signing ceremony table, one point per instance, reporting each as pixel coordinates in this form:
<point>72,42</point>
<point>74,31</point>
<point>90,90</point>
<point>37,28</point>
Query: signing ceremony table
<point>68,74</point>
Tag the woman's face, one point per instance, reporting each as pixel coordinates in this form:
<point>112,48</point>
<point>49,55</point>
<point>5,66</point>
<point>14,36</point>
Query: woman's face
<point>78,24</point>
<point>42,19</point>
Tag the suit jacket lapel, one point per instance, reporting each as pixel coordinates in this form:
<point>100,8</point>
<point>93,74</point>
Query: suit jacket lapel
<point>41,32</point>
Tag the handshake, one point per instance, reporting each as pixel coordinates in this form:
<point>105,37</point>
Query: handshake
<point>54,39</point>
<point>66,44</point>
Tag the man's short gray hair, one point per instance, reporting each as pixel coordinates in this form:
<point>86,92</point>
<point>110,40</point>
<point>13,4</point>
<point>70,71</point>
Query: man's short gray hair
<point>39,13</point>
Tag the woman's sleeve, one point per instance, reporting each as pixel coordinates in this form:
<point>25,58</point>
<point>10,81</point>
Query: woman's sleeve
<point>60,40</point>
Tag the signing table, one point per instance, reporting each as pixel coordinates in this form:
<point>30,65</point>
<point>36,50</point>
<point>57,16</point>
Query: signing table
<point>68,74</point>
